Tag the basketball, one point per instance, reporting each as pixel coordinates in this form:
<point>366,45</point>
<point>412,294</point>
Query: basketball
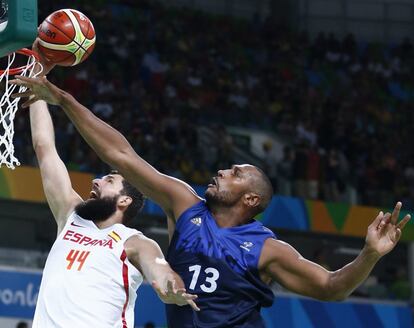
<point>67,37</point>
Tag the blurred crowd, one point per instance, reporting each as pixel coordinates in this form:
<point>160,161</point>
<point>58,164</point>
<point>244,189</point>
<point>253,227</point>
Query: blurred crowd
<point>343,107</point>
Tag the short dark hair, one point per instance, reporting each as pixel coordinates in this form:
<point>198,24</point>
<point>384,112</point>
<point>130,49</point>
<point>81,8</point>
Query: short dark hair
<point>137,197</point>
<point>265,190</point>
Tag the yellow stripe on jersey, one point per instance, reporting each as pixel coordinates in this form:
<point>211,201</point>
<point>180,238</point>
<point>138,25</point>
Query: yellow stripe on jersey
<point>114,236</point>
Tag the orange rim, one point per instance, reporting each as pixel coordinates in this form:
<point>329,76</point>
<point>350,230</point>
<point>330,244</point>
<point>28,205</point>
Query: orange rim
<point>24,52</point>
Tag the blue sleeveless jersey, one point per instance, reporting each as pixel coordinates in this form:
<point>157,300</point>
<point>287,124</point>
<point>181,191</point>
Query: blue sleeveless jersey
<point>220,265</point>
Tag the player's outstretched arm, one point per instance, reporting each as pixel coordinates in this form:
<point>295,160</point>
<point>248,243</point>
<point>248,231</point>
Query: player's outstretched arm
<point>173,195</point>
<point>147,257</point>
<point>282,263</point>
<point>55,178</point>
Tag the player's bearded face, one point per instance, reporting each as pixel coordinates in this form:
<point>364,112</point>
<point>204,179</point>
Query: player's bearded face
<point>98,209</point>
<point>221,195</point>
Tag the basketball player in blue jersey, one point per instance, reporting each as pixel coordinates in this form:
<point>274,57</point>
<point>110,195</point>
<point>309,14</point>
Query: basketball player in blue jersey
<point>220,251</point>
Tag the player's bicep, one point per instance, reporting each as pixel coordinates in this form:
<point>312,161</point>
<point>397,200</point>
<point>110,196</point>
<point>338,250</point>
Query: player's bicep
<point>172,194</point>
<point>288,267</point>
<point>57,186</point>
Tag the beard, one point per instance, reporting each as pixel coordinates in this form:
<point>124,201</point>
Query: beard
<point>97,210</point>
<point>220,198</point>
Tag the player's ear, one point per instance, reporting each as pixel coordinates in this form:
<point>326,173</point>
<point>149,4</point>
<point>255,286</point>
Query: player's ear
<point>124,201</point>
<point>251,199</point>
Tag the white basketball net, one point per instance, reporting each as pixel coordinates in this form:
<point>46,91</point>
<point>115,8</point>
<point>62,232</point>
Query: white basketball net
<point>8,109</point>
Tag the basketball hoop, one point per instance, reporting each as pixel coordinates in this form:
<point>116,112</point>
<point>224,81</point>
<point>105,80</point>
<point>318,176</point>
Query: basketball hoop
<point>9,106</point>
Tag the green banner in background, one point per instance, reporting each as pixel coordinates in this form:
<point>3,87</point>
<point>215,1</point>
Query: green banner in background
<point>324,217</point>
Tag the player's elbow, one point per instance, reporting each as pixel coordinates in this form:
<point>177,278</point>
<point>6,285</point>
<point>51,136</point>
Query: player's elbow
<point>335,297</point>
<point>42,148</point>
<point>340,298</point>
<point>328,295</point>
<point>333,293</point>
<point>115,157</point>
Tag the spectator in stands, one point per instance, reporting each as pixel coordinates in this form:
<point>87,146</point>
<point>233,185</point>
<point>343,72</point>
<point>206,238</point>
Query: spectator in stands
<point>299,169</point>
<point>270,163</point>
<point>313,174</point>
<point>333,182</point>
<point>285,172</point>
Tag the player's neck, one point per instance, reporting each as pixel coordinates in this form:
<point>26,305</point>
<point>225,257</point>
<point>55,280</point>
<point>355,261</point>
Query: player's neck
<point>113,219</point>
<point>227,217</point>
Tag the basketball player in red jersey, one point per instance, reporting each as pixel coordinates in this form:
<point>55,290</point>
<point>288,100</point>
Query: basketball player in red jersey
<point>96,263</point>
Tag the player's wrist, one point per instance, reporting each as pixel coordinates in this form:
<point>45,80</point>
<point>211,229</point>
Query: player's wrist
<point>59,96</point>
<point>370,253</point>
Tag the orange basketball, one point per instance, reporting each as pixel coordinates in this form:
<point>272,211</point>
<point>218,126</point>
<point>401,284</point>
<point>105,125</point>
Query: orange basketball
<point>67,37</point>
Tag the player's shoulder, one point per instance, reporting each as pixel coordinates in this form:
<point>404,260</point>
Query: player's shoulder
<point>256,229</point>
<point>123,233</point>
<point>139,244</point>
<point>73,220</point>
<point>198,209</point>
<point>275,250</point>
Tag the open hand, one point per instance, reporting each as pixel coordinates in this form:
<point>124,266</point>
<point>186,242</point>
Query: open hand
<point>38,88</point>
<point>384,232</point>
<point>174,295</point>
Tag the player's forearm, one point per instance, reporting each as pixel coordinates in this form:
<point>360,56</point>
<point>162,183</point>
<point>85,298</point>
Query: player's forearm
<point>156,269</point>
<point>104,140</point>
<point>43,136</point>
<point>345,280</point>
<point>112,147</point>
<point>160,272</point>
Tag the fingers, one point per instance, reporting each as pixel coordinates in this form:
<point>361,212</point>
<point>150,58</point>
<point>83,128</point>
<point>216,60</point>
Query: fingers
<point>193,305</point>
<point>23,78</point>
<point>29,102</point>
<point>396,213</point>
<point>19,82</point>
<point>22,83</point>
<point>385,220</point>
<point>378,219</point>
<point>29,82</point>
<point>189,296</point>
<point>26,94</point>
<point>176,295</point>
<point>189,299</point>
<point>403,222</point>
<point>22,94</point>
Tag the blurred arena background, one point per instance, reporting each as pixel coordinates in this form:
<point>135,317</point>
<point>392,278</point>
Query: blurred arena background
<point>319,93</point>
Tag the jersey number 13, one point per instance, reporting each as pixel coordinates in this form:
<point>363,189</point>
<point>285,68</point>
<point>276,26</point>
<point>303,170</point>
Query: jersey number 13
<point>210,284</point>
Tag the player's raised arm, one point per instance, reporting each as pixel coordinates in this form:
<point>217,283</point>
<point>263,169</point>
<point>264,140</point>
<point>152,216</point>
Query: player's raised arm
<point>173,195</point>
<point>55,178</point>
<point>147,257</point>
<point>282,263</point>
